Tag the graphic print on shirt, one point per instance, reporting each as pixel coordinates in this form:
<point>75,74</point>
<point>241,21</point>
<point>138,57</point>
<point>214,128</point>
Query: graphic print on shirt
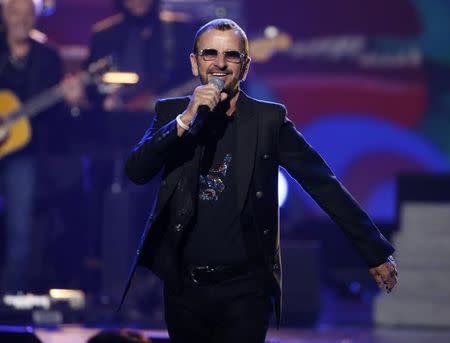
<point>212,184</point>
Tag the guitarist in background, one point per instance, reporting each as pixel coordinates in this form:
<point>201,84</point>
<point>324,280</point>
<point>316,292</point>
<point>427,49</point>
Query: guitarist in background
<point>147,41</point>
<point>27,67</point>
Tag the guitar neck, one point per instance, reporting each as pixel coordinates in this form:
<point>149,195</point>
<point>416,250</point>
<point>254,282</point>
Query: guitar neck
<point>38,104</point>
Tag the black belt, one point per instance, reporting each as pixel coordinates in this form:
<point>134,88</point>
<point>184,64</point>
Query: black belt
<point>213,274</point>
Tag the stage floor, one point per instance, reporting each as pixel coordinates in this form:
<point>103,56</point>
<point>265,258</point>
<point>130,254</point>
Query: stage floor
<point>77,334</point>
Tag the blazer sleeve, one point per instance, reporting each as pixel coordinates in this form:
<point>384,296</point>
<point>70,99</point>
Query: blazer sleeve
<point>316,177</point>
<point>151,153</point>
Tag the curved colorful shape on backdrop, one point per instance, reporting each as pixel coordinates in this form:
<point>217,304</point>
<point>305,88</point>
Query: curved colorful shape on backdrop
<point>367,154</point>
<point>311,97</point>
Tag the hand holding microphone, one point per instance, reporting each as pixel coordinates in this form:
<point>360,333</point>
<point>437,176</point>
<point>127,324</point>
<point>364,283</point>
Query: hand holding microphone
<point>204,99</point>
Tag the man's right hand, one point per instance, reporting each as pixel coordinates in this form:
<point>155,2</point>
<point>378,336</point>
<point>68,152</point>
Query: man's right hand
<point>207,95</point>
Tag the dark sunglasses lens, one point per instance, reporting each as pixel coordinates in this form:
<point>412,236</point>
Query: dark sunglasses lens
<point>209,54</point>
<point>233,56</point>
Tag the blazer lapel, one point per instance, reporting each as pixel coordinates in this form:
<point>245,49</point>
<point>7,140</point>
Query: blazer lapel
<point>246,140</point>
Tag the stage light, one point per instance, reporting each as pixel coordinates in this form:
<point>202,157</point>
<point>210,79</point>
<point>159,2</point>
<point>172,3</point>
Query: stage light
<point>271,32</point>
<point>74,297</point>
<point>27,301</point>
<point>282,189</point>
<point>120,78</point>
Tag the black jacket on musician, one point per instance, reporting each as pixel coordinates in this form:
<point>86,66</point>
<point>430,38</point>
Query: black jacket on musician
<point>162,43</point>
<point>42,70</point>
<point>266,140</point>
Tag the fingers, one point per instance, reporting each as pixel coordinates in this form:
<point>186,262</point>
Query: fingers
<point>391,274</point>
<point>390,281</point>
<point>386,275</point>
<point>207,95</point>
<point>393,265</point>
<point>378,279</point>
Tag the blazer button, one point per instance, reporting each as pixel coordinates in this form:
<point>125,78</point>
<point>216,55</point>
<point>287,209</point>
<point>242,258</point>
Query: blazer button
<point>163,183</point>
<point>259,194</point>
<point>276,266</point>
<point>178,227</point>
<point>266,232</point>
<point>266,156</point>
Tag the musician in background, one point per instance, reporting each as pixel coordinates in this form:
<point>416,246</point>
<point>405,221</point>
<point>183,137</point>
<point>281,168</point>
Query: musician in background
<point>27,67</point>
<point>146,41</point>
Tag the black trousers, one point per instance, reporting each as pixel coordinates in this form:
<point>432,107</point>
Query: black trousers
<point>233,311</point>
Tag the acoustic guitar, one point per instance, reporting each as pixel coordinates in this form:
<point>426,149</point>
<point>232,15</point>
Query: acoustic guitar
<point>15,127</point>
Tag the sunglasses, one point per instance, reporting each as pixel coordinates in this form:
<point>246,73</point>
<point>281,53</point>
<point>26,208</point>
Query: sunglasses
<point>231,56</point>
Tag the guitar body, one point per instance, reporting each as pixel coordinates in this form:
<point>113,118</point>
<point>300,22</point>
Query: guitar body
<point>15,127</point>
<point>18,134</point>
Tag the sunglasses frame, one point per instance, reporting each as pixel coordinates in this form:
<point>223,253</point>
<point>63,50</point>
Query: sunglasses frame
<point>242,56</point>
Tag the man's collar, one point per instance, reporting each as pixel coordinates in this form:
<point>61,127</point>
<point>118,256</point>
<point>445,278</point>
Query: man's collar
<point>244,108</point>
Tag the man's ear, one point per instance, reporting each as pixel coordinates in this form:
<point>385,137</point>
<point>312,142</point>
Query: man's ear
<point>245,68</point>
<point>194,65</point>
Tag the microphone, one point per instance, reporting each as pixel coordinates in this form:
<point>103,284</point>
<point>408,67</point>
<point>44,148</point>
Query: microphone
<point>203,110</point>
<point>216,82</point>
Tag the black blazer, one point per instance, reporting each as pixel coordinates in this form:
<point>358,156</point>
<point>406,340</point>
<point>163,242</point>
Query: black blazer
<point>267,139</point>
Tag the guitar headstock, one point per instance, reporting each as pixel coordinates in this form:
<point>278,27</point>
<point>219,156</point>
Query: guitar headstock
<point>262,49</point>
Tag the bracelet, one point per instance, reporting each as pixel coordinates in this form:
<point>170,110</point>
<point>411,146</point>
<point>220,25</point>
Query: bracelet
<point>180,122</point>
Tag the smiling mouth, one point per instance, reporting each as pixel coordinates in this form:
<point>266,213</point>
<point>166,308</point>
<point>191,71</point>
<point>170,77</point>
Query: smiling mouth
<point>219,74</point>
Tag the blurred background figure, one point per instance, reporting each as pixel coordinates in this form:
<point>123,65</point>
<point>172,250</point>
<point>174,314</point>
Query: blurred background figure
<point>28,66</point>
<point>139,39</point>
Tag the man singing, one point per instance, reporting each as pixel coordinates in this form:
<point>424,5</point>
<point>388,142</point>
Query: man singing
<point>213,236</point>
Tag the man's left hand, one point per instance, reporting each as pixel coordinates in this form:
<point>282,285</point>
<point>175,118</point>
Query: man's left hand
<point>386,274</point>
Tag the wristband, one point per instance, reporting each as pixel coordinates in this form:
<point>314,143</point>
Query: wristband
<point>180,122</point>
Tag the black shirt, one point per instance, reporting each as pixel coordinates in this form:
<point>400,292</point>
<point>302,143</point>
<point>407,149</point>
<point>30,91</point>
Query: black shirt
<point>14,74</point>
<point>216,234</point>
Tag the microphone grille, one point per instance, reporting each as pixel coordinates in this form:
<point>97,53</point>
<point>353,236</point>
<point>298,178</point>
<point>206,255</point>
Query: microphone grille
<point>218,83</point>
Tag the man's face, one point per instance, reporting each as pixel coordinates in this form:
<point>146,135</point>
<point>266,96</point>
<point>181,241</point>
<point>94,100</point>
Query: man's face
<point>19,18</point>
<point>231,72</point>
<point>138,8</point>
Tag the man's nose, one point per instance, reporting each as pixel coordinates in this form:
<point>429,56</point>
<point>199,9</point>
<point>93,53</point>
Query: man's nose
<point>220,60</point>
